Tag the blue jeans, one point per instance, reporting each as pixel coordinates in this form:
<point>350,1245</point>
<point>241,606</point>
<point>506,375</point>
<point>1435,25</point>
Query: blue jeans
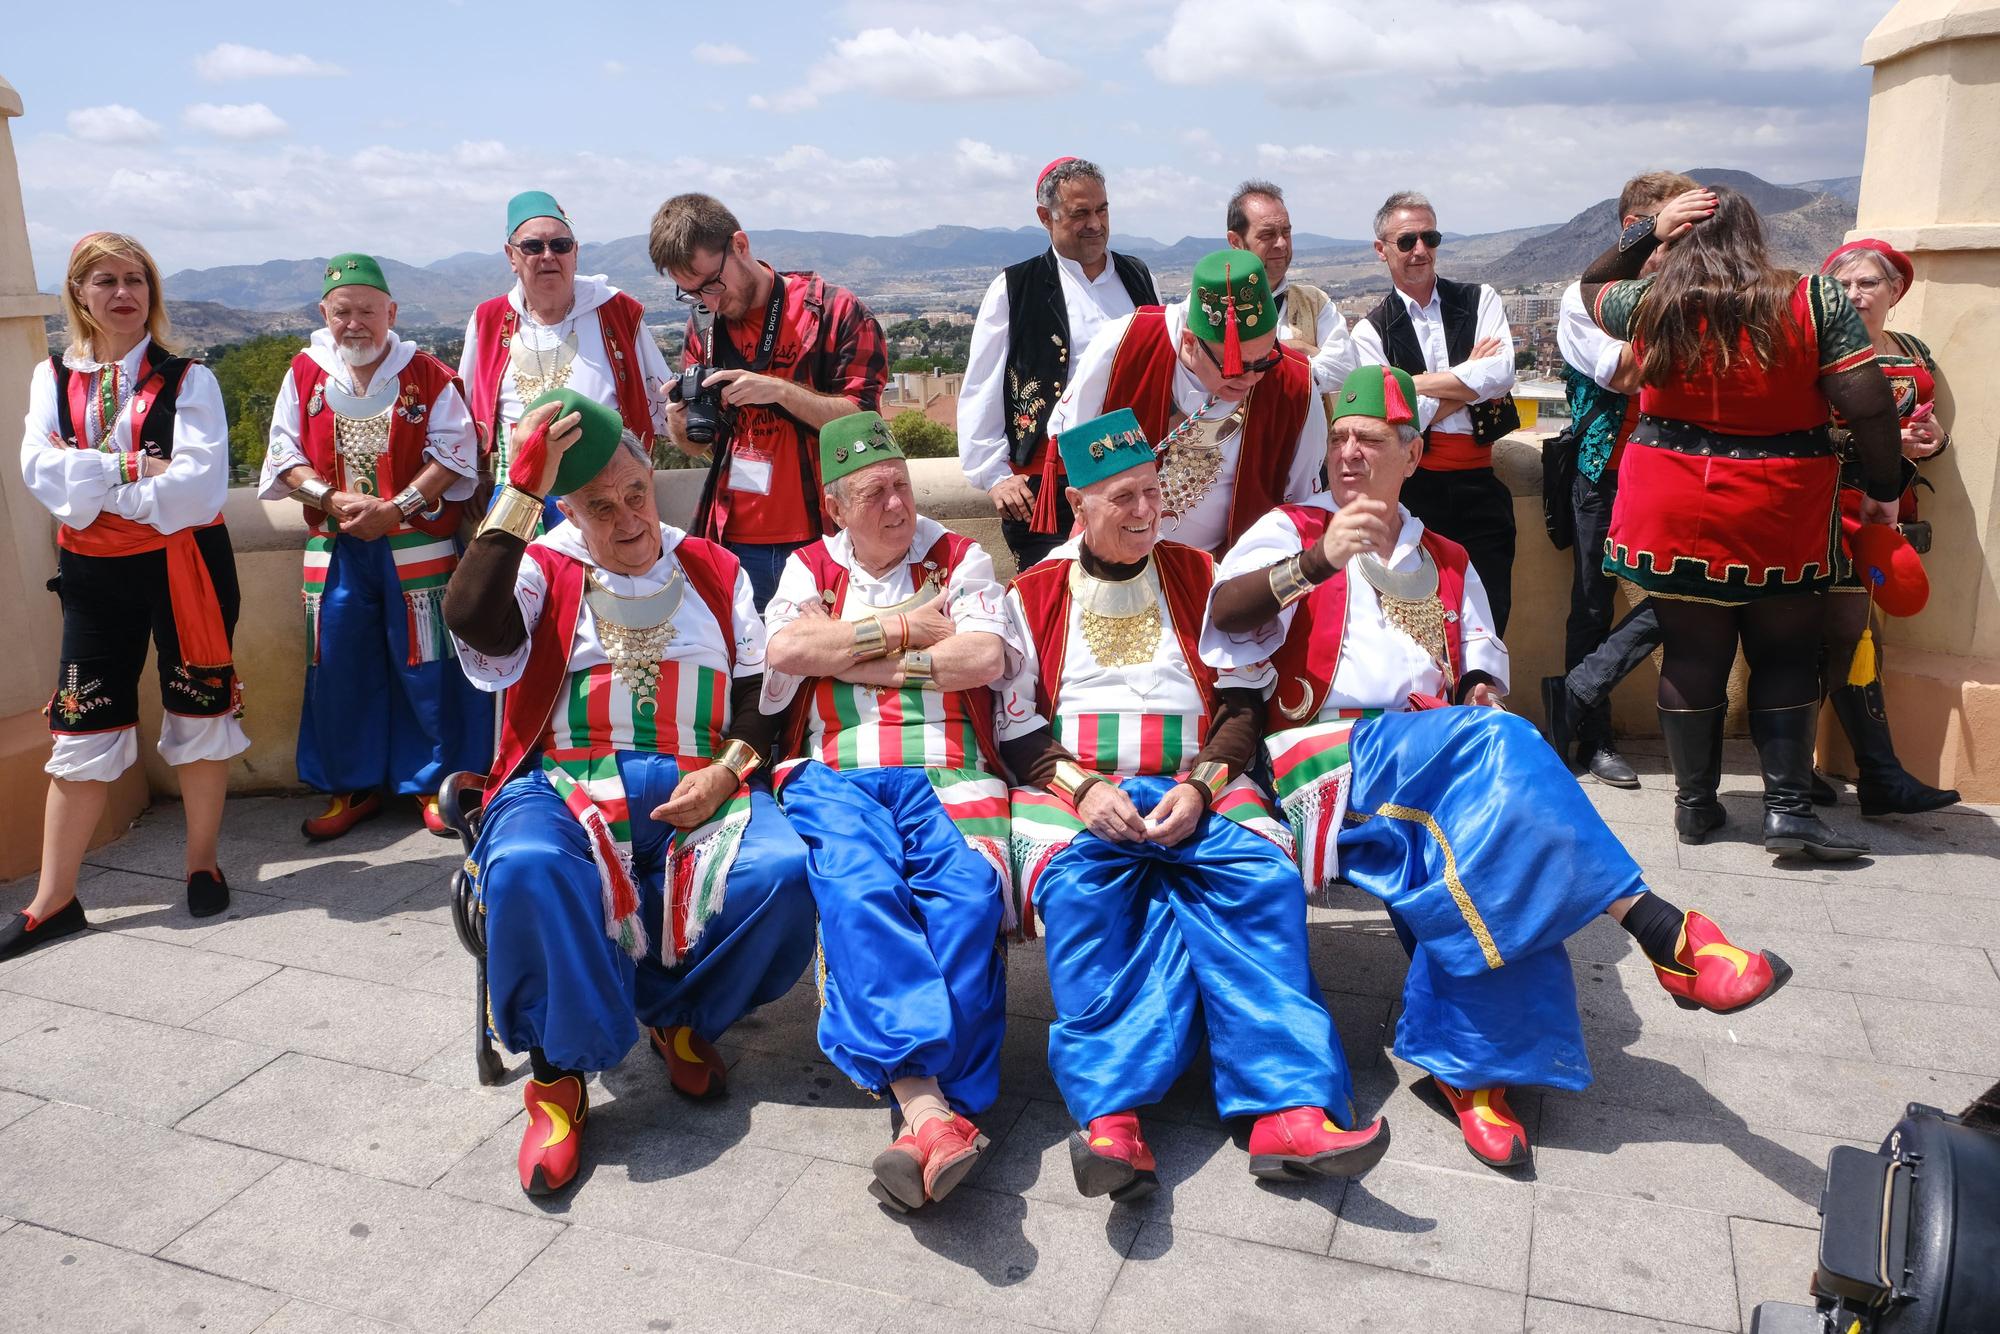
<point>763,562</point>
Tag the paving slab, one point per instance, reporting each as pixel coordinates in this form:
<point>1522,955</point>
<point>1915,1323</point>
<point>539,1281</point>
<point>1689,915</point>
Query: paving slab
<point>1362,959</point>
<point>397,1254</point>
<point>395,1127</point>
<point>990,1254</point>
<point>1628,998</point>
<point>126,1067</point>
<point>296,1317</point>
<point>150,907</point>
<point>1826,1096</point>
<point>1772,1264</point>
<point>157,845</point>
<point>20,1013</point>
<point>14,1106</point>
<point>1467,1226</point>
<point>608,1282</point>
<point>141,979</point>
<point>1898,913</point>
<point>117,1181</point>
<point>1183,1280</point>
<point>1547,1317</point>
<point>1632,1256</point>
<point>391,950</point>
<point>1899,969</point>
<point>58,1284</point>
<point>1924,1033</point>
<point>352,885</point>
<point>1421,1130</point>
<point>340,1018</point>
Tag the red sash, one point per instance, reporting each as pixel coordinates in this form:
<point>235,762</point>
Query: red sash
<point>620,319</point>
<point>421,382</point>
<point>1454,451</point>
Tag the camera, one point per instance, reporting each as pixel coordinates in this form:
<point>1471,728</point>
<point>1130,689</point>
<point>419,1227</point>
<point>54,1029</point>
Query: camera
<point>708,417</point>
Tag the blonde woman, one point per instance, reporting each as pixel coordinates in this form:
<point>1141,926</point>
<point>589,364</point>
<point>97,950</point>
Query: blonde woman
<point>126,444</point>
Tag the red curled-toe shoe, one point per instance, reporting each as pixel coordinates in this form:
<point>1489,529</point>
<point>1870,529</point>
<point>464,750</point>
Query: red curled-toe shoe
<point>1110,1157</point>
<point>427,807</point>
<point>1492,1132</point>
<point>1716,975</point>
<point>1304,1141</point>
<point>552,1145</point>
<point>344,810</point>
<point>694,1068</point>
<point>928,1163</point>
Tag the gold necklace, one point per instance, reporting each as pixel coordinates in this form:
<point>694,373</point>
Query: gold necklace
<point>1411,604</point>
<point>1121,617</point>
<point>1191,459</point>
<point>535,375</point>
<point>635,633</point>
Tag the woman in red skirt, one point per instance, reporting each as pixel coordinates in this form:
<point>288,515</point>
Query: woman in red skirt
<point>1725,510</point>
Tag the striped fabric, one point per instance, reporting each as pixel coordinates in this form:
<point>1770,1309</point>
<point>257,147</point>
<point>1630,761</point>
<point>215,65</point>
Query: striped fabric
<point>596,712</point>
<point>1128,745</point>
<point>423,568</point>
<point>1313,775</point>
<point>859,727</point>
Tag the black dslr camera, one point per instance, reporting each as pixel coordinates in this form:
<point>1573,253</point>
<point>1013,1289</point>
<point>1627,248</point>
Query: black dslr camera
<point>708,417</point>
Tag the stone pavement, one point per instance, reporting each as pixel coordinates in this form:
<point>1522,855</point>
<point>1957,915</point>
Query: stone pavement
<point>269,1122</point>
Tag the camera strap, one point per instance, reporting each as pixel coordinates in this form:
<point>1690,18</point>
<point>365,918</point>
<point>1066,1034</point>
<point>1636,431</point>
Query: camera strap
<point>725,353</point>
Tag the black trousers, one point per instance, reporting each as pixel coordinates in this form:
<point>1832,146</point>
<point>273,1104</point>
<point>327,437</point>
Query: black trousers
<point>1029,547</point>
<point>1475,509</point>
<point>1593,595</point>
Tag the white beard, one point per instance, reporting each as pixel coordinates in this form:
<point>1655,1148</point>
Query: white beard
<point>351,355</point>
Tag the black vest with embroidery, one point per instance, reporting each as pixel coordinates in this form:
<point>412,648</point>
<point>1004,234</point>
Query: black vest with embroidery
<point>1038,345</point>
<point>156,434</point>
<point>1458,310</point>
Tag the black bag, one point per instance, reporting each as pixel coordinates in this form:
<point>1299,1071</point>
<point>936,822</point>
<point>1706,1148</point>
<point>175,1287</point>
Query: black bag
<point>1494,418</point>
<point>1558,480</point>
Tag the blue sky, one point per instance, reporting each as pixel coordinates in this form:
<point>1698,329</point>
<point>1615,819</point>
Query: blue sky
<point>232,133</point>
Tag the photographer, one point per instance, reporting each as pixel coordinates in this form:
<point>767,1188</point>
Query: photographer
<point>789,353</point>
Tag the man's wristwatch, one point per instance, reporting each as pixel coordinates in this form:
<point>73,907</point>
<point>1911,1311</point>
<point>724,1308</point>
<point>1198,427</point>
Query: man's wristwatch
<point>1212,776</point>
<point>1637,232</point>
<point>740,758</point>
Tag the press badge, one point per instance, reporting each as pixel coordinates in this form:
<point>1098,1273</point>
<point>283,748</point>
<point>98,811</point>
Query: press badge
<point>750,470</point>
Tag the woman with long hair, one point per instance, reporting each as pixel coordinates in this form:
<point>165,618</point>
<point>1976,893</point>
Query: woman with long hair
<point>1725,511</point>
<point>126,445</point>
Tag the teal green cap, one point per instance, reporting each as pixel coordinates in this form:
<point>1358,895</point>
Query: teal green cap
<point>353,270</point>
<point>1103,447</point>
<point>602,428</point>
<point>532,204</point>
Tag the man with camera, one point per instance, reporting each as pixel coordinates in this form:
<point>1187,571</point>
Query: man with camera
<point>792,353</point>
<point>1453,340</point>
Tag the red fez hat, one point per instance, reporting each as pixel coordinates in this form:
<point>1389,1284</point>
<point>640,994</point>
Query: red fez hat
<point>1890,569</point>
<point>1897,259</point>
<point>1046,170</point>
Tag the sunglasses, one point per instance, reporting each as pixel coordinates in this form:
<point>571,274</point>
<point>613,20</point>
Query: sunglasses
<point>1269,361</point>
<point>1408,240</point>
<point>555,245</point>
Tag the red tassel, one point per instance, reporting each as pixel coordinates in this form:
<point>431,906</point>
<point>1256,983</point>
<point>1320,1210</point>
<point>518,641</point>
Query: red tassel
<point>410,617</point>
<point>1043,520</point>
<point>1394,409</point>
<point>1232,341</point>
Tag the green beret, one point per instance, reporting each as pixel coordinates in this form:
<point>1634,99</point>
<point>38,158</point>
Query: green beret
<point>851,443</point>
<point>1227,281</point>
<point>353,270</point>
<point>602,428</point>
<point>1377,391</point>
<point>1103,447</point>
<point>532,204</point>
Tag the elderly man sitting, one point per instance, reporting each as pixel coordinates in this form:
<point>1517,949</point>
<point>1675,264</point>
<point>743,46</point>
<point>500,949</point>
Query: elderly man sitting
<point>895,629</point>
<point>1163,880</point>
<point>1363,627</point>
<point>624,864</point>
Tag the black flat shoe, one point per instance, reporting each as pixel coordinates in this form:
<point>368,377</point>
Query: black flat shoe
<point>17,937</point>
<point>1607,766</point>
<point>208,893</point>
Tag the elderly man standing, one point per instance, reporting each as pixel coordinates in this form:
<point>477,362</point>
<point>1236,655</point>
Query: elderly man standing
<point>372,437</point>
<point>1239,426</point>
<point>885,638</point>
<point>1363,628</point>
<point>1165,885</point>
<point>1259,222</point>
<point>555,329</point>
<point>625,866</point>
<point>1033,317</point>
<point>1453,340</point>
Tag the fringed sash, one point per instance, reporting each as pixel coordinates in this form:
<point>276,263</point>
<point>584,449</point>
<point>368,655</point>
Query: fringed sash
<point>1313,776</point>
<point>423,568</point>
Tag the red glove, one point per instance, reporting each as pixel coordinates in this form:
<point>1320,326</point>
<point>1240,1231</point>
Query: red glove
<point>530,457</point>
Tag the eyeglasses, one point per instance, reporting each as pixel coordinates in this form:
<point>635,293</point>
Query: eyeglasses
<point>1408,240</point>
<point>708,287</point>
<point>1269,361</point>
<point>1860,284</point>
<point>555,245</point>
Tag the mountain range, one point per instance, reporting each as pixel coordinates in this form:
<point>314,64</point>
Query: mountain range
<point>949,267</point>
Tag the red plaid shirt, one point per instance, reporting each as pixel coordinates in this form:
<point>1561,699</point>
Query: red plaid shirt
<point>828,342</point>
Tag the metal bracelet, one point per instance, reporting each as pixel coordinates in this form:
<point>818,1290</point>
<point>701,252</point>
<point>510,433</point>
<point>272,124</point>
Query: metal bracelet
<point>1070,779</point>
<point>314,491</point>
<point>1288,580</point>
<point>514,511</point>
<point>740,758</point>
<point>411,501</point>
<point>917,668</point>
<point>870,640</point>
<point>1212,775</point>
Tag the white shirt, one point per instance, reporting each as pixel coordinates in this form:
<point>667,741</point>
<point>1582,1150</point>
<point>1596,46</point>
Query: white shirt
<point>76,485</point>
<point>590,373</point>
<point>1336,355</point>
<point>1380,667</point>
<point>448,435</point>
<point>982,402</point>
<point>973,597</point>
<point>698,638</point>
<point>1487,377</point>
<point>1206,526</point>
<point>1583,344</point>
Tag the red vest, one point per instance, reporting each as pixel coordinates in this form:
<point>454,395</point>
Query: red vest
<point>1311,652</point>
<point>830,576</point>
<point>409,430</point>
<point>1185,576</point>
<point>621,318</point>
<point>711,572</point>
<point>1142,379</point>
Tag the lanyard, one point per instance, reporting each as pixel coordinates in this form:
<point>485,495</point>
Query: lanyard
<point>774,320</point>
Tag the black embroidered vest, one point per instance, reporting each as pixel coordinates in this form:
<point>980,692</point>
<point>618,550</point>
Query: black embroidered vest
<point>1038,350</point>
<point>1458,308</point>
<point>156,434</point>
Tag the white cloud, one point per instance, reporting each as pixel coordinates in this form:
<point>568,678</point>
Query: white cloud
<point>616,69</point>
<point>722,53</point>
<point>112,124</point>
<point>232,60</point>
<point>922,66</point>
<point>982,160</point>
<point>244,120</point>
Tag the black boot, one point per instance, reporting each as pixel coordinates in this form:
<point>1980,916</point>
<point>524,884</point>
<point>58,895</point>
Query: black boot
<point>1884,787</point>
<point>1784,741</point>
<point>1694,747</point>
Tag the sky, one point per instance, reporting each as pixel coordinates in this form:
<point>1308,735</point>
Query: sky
<point>238,133</point>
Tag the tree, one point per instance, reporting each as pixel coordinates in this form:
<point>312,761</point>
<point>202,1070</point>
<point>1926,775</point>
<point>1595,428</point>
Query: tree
<point>250,374</point>
<point>921,438</point>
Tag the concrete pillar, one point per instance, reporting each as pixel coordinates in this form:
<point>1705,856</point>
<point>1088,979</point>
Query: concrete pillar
<point>1930,186</point>
<point>28,610</point>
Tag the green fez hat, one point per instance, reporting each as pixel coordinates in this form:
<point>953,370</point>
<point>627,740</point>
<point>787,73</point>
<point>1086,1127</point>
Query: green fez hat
<point>1377,391</point>
<point>353,270</point>
<point>1231,301</point>
<point>851,443</point>
<point>602,428</point>
<point>532,204</point>
<point>1103,447</point>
